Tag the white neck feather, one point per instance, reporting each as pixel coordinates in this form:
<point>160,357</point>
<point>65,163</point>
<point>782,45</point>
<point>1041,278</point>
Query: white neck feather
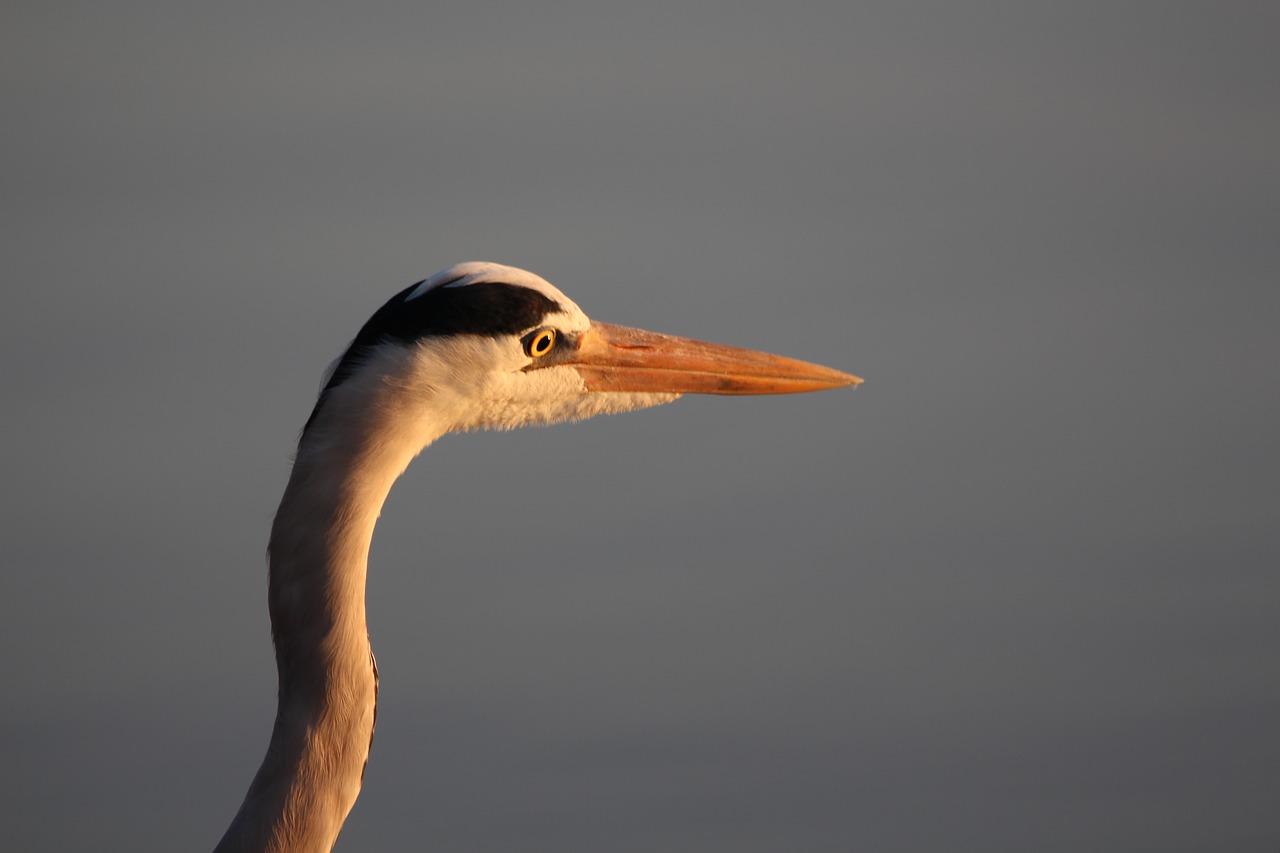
<point>318,553</point>
<point>367,432</point>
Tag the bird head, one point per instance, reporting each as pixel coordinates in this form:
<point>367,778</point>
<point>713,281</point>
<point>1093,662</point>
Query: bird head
<point>485,346</point>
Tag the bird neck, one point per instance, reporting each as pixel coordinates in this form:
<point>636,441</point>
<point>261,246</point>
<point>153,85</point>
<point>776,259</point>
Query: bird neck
<point>318,555</point>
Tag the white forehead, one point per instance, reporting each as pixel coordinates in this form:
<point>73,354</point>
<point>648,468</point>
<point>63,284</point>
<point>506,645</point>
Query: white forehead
<point>476,272</point>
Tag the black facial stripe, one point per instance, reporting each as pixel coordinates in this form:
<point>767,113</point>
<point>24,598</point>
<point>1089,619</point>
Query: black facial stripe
<point>485,309</point>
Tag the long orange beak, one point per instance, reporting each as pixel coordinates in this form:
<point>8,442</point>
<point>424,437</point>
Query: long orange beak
<point>616,358</point>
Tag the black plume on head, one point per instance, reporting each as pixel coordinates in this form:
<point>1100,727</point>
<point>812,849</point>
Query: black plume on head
<point>484,309</point>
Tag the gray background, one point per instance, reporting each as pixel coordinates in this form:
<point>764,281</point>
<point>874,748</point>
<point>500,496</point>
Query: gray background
<point>1019,592</point>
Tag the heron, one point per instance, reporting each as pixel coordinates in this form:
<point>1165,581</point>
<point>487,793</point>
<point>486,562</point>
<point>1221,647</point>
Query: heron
<point>476,346</point>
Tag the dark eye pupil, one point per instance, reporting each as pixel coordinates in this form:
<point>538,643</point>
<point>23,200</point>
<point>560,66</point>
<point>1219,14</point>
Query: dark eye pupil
<point>542,343</point>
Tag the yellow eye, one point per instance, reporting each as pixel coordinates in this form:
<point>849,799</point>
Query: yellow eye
<point>540,342</point>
